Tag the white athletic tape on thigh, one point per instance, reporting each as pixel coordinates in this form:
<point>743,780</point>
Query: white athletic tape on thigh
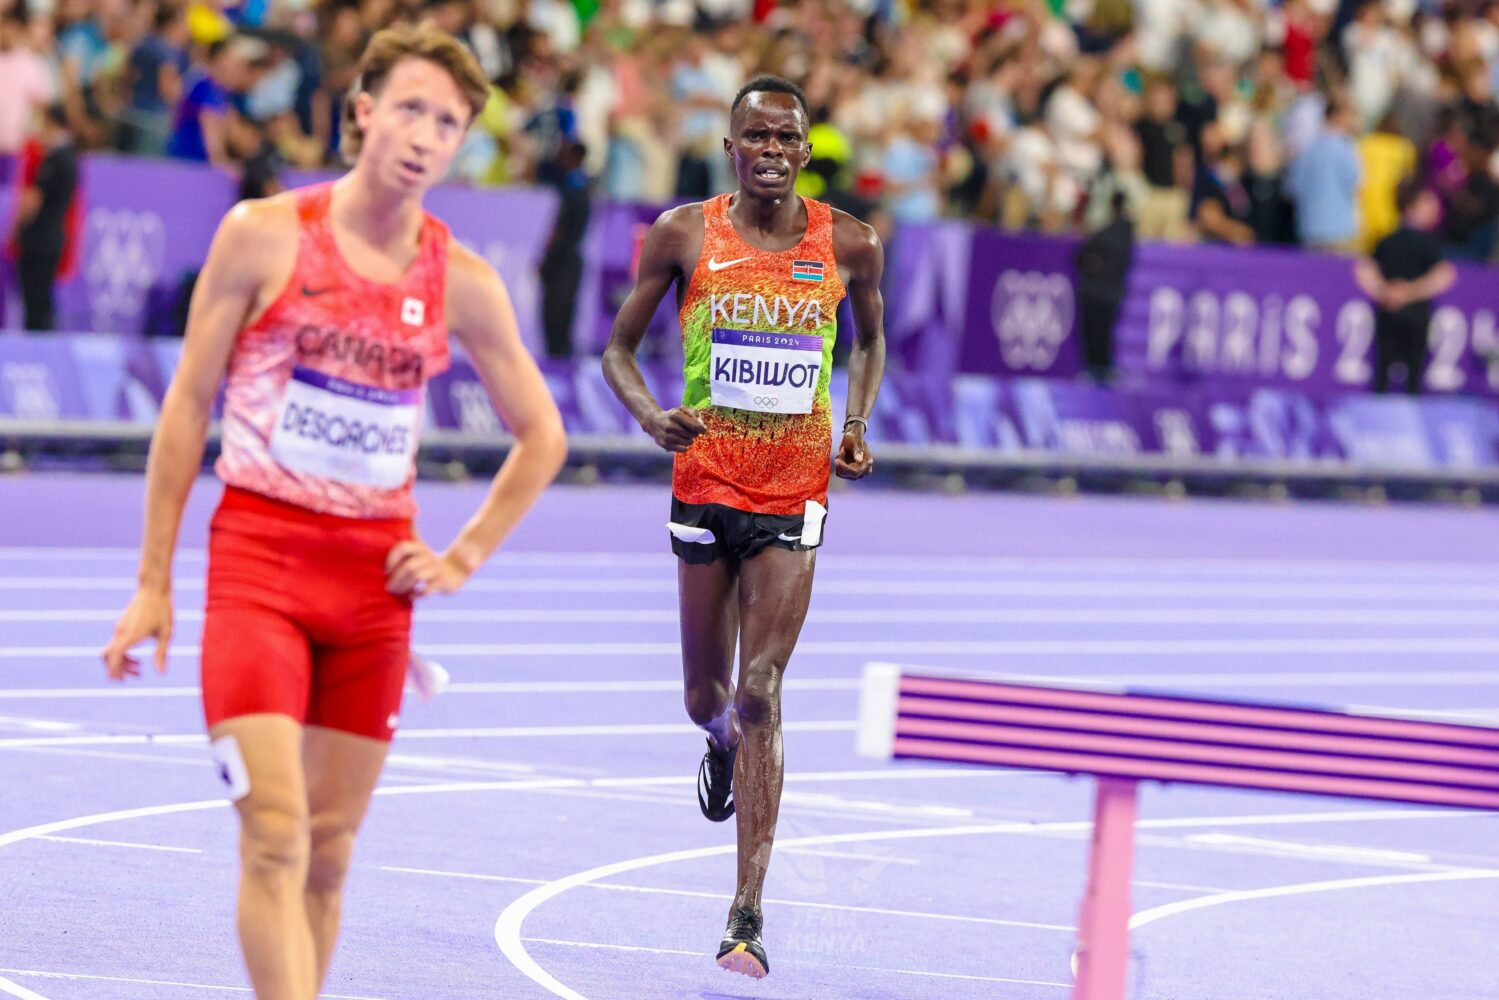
<point>687,533</point>
<point>429,678</point>
<point>231,767</point>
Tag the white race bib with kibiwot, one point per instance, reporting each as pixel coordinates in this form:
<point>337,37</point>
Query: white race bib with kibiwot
<point>341,430</point>
<point>765,372</point>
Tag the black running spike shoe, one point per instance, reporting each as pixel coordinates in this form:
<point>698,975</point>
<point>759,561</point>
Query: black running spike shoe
<point>715,783</point>
<point>741,950</point>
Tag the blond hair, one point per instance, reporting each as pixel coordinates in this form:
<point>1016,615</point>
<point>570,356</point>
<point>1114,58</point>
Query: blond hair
<point>394,45</point>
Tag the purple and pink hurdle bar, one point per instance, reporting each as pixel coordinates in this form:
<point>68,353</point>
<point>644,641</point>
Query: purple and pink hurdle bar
<point>1123,737</point>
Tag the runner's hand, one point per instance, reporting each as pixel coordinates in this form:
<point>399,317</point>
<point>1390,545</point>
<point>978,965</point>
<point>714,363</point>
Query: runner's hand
<point>148,616</point>
<point>675,429</point>
<point>855,460</point>
<point>413,569</point>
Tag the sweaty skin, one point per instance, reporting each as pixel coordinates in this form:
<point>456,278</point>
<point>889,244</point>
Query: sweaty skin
<point>759,604</point>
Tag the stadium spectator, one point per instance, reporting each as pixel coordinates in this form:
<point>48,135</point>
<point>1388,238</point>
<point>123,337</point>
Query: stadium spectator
<point>1103,264</point>
<point>1018,113</point>
<point>25,84</point>
<point>202,126</point>
<point>41,230</point>
<point>157,64</point>
<point>562,262</point>
<point>1167,162</point>
<point>1323,181</point>
<point>1404,274</point>
<point>1385,158</point>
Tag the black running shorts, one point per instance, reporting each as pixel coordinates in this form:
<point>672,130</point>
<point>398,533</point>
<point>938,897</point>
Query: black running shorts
<point>702,533</point>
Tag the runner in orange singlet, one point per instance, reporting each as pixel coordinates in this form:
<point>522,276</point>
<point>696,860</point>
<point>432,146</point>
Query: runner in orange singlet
<point>324,312</point>
<point>759,275</point>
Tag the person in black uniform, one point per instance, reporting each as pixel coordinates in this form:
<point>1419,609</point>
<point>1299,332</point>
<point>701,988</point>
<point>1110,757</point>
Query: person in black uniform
<point>1102,270</point>
<point>41,220</point>
<point>562,264</point>
<point>1404,275</point>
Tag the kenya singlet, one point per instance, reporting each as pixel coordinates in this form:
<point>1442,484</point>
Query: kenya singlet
<point>324,394</point>
<point>758,330</point>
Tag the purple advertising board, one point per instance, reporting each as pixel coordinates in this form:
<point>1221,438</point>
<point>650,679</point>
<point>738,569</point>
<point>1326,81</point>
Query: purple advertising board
<point>99,377</point>
<point>1204,315</point>
<point>1022,307</point>
<point>148,224</point>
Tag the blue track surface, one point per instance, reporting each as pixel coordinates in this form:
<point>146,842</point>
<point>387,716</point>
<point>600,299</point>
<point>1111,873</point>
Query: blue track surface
<point>562,749</point>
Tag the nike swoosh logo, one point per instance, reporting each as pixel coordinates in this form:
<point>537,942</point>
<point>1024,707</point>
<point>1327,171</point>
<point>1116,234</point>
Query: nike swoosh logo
<point>310,292</point>
<point>714,265</point>
<point>790,538</point>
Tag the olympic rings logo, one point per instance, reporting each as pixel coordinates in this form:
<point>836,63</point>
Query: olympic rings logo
<point>126,254</point>
<point>1032,316</point>
<point>767,401</point>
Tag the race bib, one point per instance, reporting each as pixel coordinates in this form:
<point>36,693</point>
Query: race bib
<point>345,431</point>
<point>766,372</point>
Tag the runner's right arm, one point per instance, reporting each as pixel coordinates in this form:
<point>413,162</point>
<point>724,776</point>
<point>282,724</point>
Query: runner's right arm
<point>228,288</point>
<point>660,267</point>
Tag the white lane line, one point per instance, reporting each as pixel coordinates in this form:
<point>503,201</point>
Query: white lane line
<point>554,888</point>
<point>884,859</point>
<point>793,963</point>
<point>155,982</point>
<point>844,908</point>
<point>1308,646</point>
<point>1381,616</point>
<point>819,800</point>
<point>159,758</point>
<point>645,729</point>
<point>1182,681</point>
<point>131,739</point>
<point>508,926</point>
<point>1128,586</point>
<point>41,694</point>
<point>78,553</point>
<point>459,687</point>
<point>651,890</point>
<point>432,762</point>
<point>481,732</point>
<point>38,725</point>
<point>871,774</point>
<point>89,842</point>
<point>980,979</point>
<point>1211,565</point>
<point>1146,917</point>
<point>615,947</point>
<point>461,875</point>
<point>1179,886</point>
<point>15,989</point>
<point>1479,715</point>
<point>1342,852</point>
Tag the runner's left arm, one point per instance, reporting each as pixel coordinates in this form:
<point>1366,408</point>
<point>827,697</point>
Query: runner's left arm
<point>859,250</point>
<point>482,319</point>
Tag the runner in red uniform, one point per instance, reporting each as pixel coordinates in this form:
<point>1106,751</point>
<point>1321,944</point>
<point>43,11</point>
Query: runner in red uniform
<point>324,312</point>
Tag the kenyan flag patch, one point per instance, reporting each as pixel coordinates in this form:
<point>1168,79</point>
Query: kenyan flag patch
<point>806,270</point>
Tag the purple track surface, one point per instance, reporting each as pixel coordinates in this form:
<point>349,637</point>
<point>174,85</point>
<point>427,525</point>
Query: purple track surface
<point>563,748</point>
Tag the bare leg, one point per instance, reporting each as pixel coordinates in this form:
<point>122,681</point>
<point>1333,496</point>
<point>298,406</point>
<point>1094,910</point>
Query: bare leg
<point>775,588</point>
<point>710,630</point>
<point>342,770</point>
<point>273,850</point>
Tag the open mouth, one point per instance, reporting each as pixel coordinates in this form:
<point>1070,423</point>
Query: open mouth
<point>414,167</point>
<point>769,173</point>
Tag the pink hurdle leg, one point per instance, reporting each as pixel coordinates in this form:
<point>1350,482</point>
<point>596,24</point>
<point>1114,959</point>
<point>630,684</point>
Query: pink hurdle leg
<point>1103,930</point>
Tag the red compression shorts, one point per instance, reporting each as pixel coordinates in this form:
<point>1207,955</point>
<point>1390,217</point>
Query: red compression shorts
<point>299,622</point>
